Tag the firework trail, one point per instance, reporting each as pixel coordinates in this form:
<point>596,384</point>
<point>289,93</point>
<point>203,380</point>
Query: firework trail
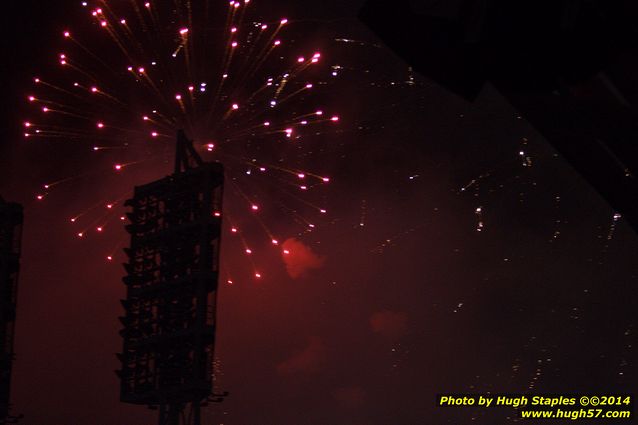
<point>131,73</point>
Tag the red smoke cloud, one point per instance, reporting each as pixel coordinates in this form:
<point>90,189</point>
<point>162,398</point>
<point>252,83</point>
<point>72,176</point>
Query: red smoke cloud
<point>307,360</point>
<point>391,324</point>
<point>299,258</point>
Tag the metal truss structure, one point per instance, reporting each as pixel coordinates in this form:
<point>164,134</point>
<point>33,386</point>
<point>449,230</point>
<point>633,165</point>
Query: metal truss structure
<point>10,240</point>
<point>172,273</point>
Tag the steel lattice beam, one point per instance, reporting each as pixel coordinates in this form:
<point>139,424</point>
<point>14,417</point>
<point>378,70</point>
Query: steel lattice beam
<point>172,273</point>
<point>10,238</point>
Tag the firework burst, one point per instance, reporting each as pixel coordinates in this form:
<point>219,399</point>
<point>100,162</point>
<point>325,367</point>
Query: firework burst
<point>131,73</point>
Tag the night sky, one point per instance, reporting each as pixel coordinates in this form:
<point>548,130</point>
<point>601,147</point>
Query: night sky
<point>460,253</point>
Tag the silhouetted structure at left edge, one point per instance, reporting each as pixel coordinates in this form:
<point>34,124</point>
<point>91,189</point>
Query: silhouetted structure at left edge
<point>172,273</point>
<point>10,239</point>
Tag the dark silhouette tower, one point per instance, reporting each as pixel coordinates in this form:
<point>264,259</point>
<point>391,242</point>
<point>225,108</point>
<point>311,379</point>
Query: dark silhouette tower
<point>10,238</point>
<point>172,273</point>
